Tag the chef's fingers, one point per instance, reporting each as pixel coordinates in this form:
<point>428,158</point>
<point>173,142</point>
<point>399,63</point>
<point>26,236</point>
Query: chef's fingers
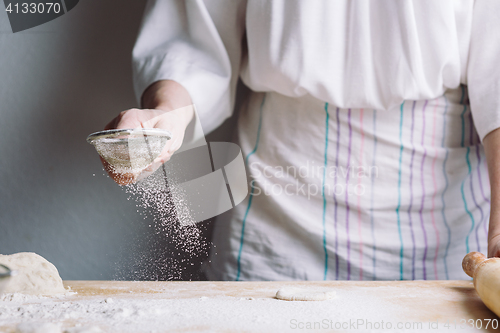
<point>113,124</point>
<point>132,118</point>
<point>494,246</point>
<point>170,148</point>
<point>177,129</point>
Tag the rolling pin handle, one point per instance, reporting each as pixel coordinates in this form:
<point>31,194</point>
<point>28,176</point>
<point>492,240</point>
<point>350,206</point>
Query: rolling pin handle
<point>471,262</point>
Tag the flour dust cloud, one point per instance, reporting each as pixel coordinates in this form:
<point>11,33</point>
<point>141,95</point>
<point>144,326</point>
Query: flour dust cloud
<point>174,247</point>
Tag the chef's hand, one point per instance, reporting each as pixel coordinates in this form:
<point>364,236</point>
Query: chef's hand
<point>494,246</point>
<point>167,105</point>
<point>491,144</point>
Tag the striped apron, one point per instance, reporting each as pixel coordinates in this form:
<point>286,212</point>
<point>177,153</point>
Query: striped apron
<point>355,194</point>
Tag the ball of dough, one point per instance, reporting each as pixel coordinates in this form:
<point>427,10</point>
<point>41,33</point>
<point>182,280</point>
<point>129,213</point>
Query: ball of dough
<point>35,275</point>
<point>303,294</point>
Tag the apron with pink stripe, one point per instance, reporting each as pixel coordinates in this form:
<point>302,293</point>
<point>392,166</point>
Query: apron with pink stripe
<point>355,194</point>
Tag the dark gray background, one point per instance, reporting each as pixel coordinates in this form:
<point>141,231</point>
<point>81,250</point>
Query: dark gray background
<point>60,82</point>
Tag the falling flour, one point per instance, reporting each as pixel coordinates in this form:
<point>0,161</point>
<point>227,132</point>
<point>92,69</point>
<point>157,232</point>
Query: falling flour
<point>176,243</point>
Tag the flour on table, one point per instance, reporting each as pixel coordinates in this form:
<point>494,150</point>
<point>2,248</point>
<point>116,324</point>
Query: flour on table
<point>304,294</point>
<point>35,275</point>
<point>38,328</point>
<point>48,327</point>
<point>84,329</point>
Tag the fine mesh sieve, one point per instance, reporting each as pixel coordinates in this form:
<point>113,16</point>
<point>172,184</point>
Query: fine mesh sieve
<point>129,150</point>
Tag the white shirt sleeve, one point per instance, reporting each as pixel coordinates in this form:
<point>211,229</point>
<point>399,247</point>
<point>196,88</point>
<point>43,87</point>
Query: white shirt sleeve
<point>483,72</point>
<point>196,44</point>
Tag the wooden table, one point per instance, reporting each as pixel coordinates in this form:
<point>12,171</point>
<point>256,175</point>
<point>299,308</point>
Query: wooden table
<point>416,306</point>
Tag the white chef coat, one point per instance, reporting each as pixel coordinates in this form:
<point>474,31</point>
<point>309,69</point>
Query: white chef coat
<point>407,89</point>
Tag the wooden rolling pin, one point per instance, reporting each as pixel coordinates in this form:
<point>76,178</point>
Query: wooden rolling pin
<point>486,275</point>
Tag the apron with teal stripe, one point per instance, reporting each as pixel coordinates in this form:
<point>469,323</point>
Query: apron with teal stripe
<point>355,194</point>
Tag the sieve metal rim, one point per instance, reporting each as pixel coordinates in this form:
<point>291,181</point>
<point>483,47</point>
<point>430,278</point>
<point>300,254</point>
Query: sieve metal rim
<point>108,134</point>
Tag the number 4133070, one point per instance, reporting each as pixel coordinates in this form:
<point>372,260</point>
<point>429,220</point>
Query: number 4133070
<point>34,8</point>
<point>477,324</point>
